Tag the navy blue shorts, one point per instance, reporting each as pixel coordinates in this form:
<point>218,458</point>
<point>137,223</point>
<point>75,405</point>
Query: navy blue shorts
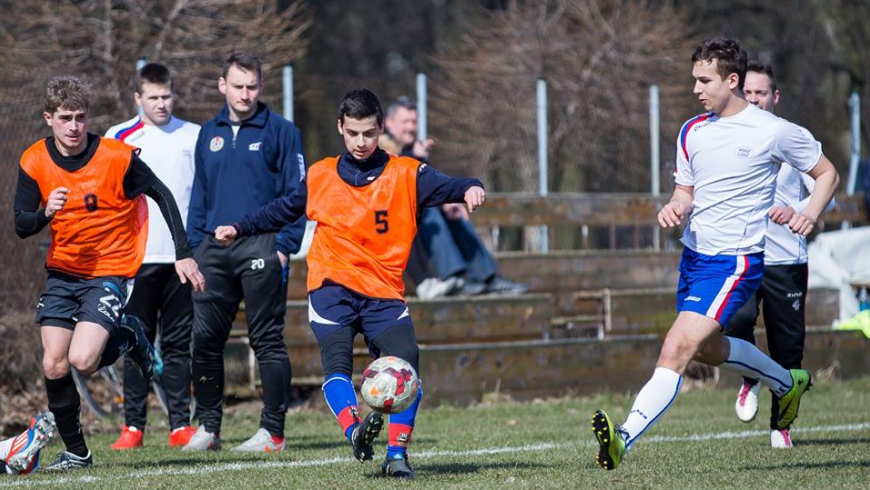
<point>68,300</point>
<point>717,286</point>
<point>334,306</point>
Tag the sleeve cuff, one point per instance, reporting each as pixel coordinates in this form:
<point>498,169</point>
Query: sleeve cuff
<point>283,249</point>
<point>185,253</point>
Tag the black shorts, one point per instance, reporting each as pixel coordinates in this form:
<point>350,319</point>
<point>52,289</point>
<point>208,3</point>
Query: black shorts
<point>68,300</point>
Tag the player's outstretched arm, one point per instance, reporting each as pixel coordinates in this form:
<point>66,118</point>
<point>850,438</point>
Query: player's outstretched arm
<point>275,215</point>
<point>826,181</point>
<point>435,188</point>
<point>679,207</point>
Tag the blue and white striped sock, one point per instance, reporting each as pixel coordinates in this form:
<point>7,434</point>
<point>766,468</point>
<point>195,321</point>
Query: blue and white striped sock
<point>745,359</point>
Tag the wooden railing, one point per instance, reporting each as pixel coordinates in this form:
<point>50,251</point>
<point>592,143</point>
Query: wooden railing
<point>614,213</point>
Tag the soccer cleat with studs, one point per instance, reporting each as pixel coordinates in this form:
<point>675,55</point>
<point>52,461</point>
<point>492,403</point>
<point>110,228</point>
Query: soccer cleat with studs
<point>611,441</point>
<point>788,405</point>
<point>23,456</point>
<point>365,434</point>
<point>143,356</point>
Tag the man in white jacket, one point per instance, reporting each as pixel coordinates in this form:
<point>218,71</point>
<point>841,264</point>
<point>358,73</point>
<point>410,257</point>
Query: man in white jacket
<point>159,299</point>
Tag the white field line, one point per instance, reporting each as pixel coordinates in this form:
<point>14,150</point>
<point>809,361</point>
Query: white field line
<point>260,465</point>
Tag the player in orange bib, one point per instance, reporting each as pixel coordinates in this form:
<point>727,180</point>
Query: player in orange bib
<point>90,192</point>
<point>366,203</point>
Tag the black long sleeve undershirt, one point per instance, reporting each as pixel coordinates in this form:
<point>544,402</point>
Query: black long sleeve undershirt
<point>30,218</point>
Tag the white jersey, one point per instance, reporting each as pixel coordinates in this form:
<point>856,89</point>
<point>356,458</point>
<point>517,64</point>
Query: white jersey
<point>168,150</point>
<point>784,247</point>
<point>732,163</point>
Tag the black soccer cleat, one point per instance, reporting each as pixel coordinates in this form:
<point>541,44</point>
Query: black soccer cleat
<point>142,354</point>
<point>365,434</point>
<point>398,467</point>
<point>69,461</point>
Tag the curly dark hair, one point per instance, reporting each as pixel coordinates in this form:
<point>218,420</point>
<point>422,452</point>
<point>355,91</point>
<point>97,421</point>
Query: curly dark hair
<point>730,57</point>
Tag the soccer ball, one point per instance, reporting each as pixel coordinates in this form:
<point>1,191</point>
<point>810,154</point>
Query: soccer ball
<point>389,385</point>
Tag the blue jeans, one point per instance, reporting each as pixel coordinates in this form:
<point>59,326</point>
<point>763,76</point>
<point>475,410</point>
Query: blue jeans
<point>453,247</point>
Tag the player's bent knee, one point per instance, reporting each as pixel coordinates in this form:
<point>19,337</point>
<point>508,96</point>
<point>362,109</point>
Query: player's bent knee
<point>55,368</point>
<point>83,362</point>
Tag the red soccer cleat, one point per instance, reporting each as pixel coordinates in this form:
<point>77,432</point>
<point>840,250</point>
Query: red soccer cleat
<point>130,438</point>
<point>181,436</point>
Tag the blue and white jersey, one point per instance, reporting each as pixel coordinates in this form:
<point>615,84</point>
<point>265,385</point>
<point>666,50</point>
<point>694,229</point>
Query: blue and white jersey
<point>169,152</point>
<point>732,163</point>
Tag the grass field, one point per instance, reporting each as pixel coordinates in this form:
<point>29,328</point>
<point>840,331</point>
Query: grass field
<point>699,444</point>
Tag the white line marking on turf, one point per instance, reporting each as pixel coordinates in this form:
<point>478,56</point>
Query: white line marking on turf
<point>260,465</point>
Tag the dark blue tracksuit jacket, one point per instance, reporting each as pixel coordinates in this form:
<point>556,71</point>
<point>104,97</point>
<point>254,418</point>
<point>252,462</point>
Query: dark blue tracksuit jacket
<point>238,174</point>
<point>433,189</point>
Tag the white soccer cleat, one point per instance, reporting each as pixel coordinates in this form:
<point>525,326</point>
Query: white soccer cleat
<point>260,442</point>
<point>746,405</point>
<point>23,456</point>
<point>780,439</point>
<point>203,440</point>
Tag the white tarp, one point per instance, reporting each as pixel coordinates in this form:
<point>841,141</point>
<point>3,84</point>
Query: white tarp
<point>838,258</point>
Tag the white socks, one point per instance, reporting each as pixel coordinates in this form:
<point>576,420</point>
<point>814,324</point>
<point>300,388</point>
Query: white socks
<point>746,360</point>
<point>651,403</point>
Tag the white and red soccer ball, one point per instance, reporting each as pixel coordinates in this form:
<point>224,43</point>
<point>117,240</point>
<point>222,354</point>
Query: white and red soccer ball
<point>389,385</point>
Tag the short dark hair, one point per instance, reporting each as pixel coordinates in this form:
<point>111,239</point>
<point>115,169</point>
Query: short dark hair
<point>68,92</point>
<point>403,102</point>
<point>152,73</point>
<point>246,60</point>
<point>730,57</point>
<point>765,68</point>
<point>361,103</point>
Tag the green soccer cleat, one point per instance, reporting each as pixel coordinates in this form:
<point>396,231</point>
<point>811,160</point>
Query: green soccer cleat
<point>789,403</point>
<point>611,441</point>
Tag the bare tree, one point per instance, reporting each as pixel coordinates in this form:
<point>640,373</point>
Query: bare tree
<point>598,57</point>
<point>101,40</point>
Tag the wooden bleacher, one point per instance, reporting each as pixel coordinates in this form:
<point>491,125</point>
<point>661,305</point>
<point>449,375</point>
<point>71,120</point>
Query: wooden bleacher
<point>593,318</point>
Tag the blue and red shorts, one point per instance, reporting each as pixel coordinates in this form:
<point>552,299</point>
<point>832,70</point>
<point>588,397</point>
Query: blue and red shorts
<point>717,286</point>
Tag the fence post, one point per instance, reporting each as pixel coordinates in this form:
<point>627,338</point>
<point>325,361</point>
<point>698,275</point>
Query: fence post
<point>422,109</point>
<point>654,153</point>
<point>287,84</point>
<point>542,154</point>
<point>855,157</point>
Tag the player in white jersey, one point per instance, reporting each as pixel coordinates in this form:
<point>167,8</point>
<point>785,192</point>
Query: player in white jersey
<point>159,299</point>
<point>727,162</point>
<point>784,282</point>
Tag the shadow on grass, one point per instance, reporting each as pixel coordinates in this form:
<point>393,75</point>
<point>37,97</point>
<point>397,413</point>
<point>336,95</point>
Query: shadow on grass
<point>812,466</point>
<point>832,442</point>
<point>431,469</point>
<point>306,443</point>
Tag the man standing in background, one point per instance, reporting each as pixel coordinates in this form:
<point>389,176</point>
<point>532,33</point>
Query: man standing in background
<point>159,299</point>
<point>246,157</point>
<point>783,287</point>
